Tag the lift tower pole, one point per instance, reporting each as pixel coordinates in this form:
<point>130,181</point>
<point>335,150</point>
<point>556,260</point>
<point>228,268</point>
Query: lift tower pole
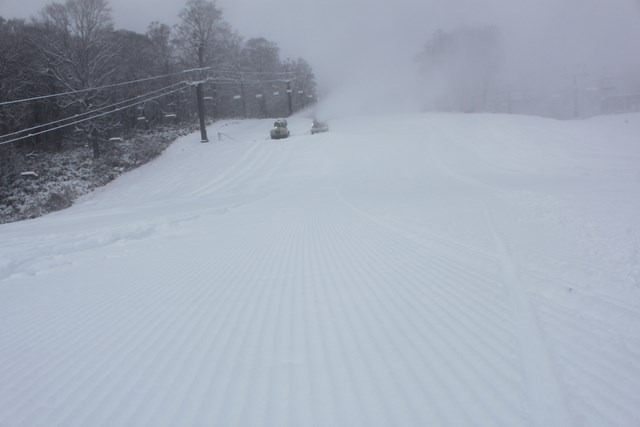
<point>203,128</point>
<point>289,94</point>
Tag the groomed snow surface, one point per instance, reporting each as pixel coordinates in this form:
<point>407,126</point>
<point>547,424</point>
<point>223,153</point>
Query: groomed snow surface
<point>415,270</point>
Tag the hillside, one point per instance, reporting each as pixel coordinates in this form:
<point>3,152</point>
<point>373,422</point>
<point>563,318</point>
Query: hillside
<point>408,270</point>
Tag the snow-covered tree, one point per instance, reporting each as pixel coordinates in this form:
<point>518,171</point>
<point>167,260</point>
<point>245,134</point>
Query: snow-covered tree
<point>79,51</point>
<point>304,84</point>
<point>79,48</point>
<point>201,25</point>
<point>261,55</point>
<point>463,64</point>
<point>160,36</point>
<point>16,73</point>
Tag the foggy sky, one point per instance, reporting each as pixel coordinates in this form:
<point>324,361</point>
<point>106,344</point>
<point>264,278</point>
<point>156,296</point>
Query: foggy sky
<point>373,42</point>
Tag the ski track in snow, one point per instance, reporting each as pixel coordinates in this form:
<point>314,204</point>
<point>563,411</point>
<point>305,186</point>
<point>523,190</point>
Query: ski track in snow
<point>362,277</point>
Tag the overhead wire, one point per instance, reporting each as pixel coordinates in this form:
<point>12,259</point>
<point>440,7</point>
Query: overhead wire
<point>237,82</point>
<point>217,80</point>
<point>92,117</point>
<point>76,116</point>
<point>73,92</point>
<point>254,72</point>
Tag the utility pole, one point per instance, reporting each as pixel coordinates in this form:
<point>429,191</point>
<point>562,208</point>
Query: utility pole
<point>289,94</point>
<point>203,129</point>
<point>242,94</point>
<point>214,99</point>
<point>575,76</point>
<point>95,142</point>
<point>576,106</point>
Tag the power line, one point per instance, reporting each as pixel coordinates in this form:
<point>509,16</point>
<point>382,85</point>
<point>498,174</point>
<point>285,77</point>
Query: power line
<point>54,95</point>
<point>255,72</point>
<point>91,118</point>
<point>36,98</point>
<point>267,81</point>
<point>224,82</point>
<point>76,116</point>
<point>237,82</point>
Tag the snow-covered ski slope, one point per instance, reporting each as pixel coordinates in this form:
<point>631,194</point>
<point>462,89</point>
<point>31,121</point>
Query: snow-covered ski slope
<point>415,270</point>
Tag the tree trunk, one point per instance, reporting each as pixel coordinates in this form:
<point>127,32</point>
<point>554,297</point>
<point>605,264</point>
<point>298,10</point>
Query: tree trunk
<point>95,145</point>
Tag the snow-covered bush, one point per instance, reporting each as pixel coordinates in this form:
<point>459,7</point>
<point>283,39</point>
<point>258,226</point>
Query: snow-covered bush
<point>60,178</point>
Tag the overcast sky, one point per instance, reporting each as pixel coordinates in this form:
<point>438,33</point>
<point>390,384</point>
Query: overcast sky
<point>341,38</point>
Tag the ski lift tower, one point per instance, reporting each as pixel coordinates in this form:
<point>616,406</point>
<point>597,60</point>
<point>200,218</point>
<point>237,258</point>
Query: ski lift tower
<point>199,96</point>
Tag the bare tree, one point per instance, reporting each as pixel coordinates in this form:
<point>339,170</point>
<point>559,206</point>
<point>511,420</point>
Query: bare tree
<point>160,36</point>
<point>15,73</point>
<point>200,21</point>
<point>304,81</point>
<point>79,51</point>
<point>262,55</point>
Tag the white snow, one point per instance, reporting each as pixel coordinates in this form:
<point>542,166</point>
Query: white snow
<point>414,270</point>
<point>29,174</point>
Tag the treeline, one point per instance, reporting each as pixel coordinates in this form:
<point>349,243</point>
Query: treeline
<point>463,67</point>
<point>473,69</point>
<point>73,48</point>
